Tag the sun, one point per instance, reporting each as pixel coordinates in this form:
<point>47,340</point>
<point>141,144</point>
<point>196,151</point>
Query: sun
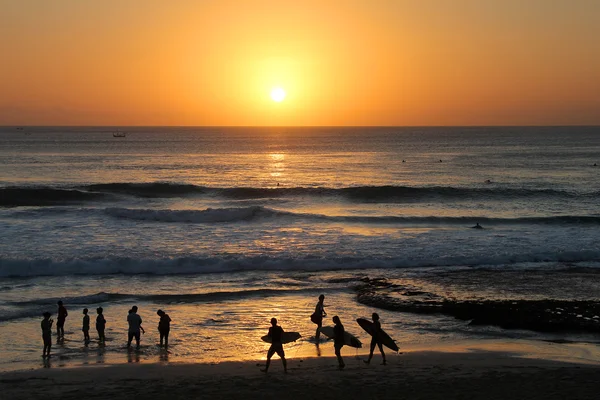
<point>277,94</point>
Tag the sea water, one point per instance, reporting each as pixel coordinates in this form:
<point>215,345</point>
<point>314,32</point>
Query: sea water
<point>224,228</point>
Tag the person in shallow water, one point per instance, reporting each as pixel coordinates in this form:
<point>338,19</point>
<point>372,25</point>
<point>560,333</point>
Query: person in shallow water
<point>275,333</point>
<point>338,340</point>
<point>376,340</point>
<point>477,226</point>
<point>100,324</point>
<point>164,327</point>
<point>86,325</point>
<point>60,321</point>
<point>47,334</point>
<point>135,326</point>
<point>317,316</point>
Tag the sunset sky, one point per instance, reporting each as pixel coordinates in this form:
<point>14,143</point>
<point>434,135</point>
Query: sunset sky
<point>350,62</point>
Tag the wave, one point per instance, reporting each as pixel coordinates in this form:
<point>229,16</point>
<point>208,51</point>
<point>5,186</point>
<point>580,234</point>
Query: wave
<point>35,307</point>
<point>103,297</point>
<point>207,216</point>
<point>13,268</point>
<point>234,214</point>
<point>360,193</point>
<point>44,196</point>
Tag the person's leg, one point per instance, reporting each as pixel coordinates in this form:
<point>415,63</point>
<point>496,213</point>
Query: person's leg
<point>371,350</point>
<point>318,333</point>
<point>166,339</point>
<point>137,340</point>
<point>281,354</point>
<point>269,355</point>
<point>382,353</point>
<point>129,339</point>
<point>162,336</point>
<point>338,354</point>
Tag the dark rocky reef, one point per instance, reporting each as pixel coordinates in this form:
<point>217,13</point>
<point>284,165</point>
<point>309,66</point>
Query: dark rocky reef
<point>536,315</point>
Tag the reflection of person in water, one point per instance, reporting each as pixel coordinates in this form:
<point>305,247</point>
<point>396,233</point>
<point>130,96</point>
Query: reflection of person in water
<point>376,339</point>
<point>275,333</point>
<point>477,226</point>
<point>47,334</point>
<point>164,327</point>
<point>100,324</point>
<point>317,316</point>
<point>60,320</point>
<point>338,340</point>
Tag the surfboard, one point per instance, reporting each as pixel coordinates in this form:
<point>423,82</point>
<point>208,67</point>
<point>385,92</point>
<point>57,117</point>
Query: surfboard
<point>286,337</point>
<point>349,339</point>
<point>385,339</point>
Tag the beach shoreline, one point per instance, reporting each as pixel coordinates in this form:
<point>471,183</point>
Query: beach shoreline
<point>494,370</point>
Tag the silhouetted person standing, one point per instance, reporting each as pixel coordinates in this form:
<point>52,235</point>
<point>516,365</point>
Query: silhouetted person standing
<point>275,333</point>
<point>100,324</point>
<point>164,327</point>
<point>86,325</point>
<point>338,340</point>
<point>317,316</point>
<point>47,334</point>
<point>376,339</point>
<point>60,320</point>
<point>135,326</point>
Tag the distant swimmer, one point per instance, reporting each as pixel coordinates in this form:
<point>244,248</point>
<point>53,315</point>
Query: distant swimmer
<point>477,226</point>
<point>595,165</point>
<point>488,181</point>
<point>440,160</point>
<point>275,333</point>
<point>403,160</point>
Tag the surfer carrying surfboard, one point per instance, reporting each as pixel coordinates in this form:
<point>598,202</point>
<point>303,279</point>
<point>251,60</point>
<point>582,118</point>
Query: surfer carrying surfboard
<point>317,316</point>
<point>376,339</point>
<point>275,333</point>
<point>338,340</point>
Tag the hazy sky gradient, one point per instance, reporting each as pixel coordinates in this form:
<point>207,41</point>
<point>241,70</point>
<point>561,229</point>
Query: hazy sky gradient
<point>350,62</point>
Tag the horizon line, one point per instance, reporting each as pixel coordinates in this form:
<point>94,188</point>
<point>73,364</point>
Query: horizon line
<point>304,126</point>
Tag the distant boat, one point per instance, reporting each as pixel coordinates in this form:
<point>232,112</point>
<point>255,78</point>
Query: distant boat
<point>119,134</point>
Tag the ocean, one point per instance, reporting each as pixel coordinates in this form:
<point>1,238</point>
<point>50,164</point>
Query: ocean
<point>224,228</point>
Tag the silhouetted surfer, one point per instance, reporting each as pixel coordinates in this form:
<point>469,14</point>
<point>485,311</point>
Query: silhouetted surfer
<point>47,334</point>
<point>135,326</point>
<point>338,340</point>
<point>86,326</point>
<point>375,339</point>
<point>477,226</point>
<point>100,324</point>
<point>60,321</point>
<point>164,327</point>
<point>317,316</point>
<point>275,333</point>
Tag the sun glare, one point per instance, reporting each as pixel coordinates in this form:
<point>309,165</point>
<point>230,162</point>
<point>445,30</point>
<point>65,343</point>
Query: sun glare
<point>278,94</point>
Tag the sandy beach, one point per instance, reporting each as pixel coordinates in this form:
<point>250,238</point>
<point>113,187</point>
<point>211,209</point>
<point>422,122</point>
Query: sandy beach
<point>450,374</point>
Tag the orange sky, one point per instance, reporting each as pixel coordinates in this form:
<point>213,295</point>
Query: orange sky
<point>350,62</point>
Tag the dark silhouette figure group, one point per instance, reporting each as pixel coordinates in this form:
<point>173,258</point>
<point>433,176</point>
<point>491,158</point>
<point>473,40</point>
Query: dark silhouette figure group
<point>133,319</point>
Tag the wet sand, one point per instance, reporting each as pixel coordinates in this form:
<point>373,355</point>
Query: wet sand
<point>477,374</point>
